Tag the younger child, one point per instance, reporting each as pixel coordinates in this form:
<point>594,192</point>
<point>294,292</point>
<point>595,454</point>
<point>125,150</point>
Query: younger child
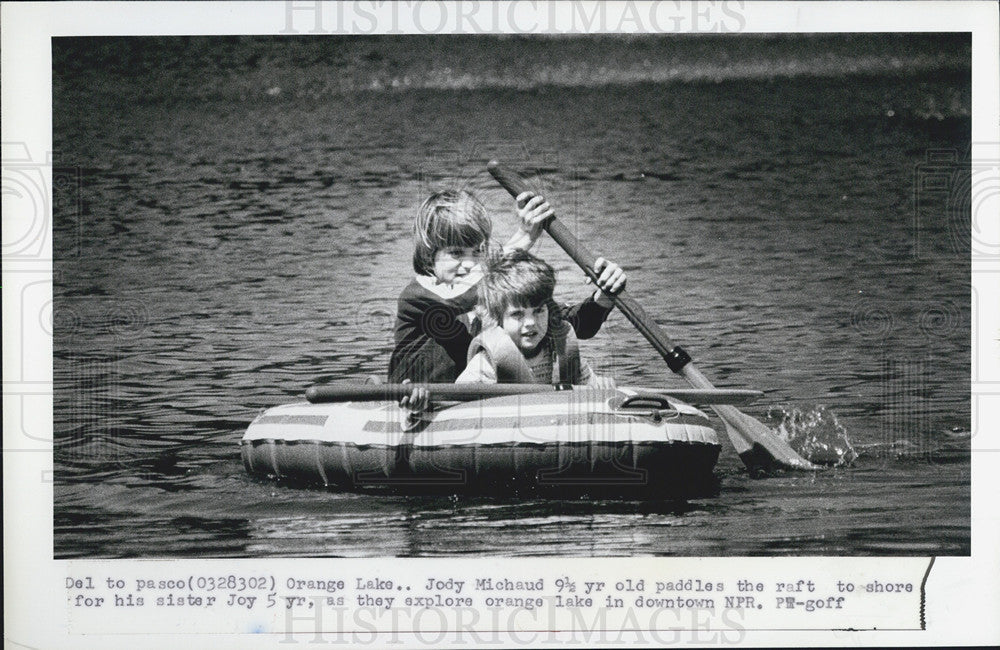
<point>529,343</point>
<point>451,235</point>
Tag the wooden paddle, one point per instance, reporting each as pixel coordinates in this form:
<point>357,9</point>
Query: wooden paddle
<point>348,392</point>
<point>760,449</point>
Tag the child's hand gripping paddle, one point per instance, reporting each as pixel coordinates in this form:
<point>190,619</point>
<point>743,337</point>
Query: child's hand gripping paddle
<point>759,448</point>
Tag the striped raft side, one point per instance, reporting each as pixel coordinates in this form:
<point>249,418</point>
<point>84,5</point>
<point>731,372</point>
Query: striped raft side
<point>571,439</point>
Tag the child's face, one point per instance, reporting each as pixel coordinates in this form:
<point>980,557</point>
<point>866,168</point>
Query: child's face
<point>454,262</point>
<point>526,326</point>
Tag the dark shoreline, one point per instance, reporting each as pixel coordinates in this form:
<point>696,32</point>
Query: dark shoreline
<point>302,67</point>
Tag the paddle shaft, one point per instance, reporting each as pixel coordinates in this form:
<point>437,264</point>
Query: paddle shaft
<point>393,392</point>
<point>351,392</point>
<point>675,357</point>
<point>757,446</point>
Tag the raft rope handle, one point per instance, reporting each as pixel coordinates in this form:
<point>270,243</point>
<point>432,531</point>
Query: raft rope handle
<point>660,401</point>
<point>661,409</point>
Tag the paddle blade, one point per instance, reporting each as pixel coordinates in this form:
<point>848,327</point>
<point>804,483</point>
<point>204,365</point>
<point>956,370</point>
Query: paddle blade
<point>761,449</point>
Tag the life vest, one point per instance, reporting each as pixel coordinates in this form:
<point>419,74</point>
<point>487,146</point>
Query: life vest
<point>509,362</point>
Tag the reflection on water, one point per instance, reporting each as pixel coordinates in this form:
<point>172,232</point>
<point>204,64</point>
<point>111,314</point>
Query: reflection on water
<point>219,256</point>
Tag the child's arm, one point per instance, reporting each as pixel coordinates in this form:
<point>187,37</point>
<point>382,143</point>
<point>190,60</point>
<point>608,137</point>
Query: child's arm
<point>479,371</point>
<point>611,279</point>
<point>588,316</point>
<point>533,210</point>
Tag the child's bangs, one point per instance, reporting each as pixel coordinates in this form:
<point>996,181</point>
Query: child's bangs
<point>457,229</point>
<point>449,218</point>
<point>533,293</point>
<point>519,280</point>
<point>454,218</point>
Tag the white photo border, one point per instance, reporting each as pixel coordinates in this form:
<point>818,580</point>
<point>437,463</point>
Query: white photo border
<point>963,593</point>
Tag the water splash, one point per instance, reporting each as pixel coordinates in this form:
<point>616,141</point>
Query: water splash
<point>815,434</point>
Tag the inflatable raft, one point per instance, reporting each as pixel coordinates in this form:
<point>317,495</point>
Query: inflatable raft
<point>590,441</point>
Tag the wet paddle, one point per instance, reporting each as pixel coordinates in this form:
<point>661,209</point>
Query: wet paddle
<point>348,392</point>
<point>760,449</point>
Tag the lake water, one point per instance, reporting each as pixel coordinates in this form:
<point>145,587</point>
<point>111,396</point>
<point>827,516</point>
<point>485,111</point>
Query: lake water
<point>239,228</point>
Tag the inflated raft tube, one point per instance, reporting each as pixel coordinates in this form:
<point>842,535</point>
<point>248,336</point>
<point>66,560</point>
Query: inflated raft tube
<point>592,441</point>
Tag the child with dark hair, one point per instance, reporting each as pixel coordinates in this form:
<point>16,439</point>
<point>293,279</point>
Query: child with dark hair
<point>526,340</point>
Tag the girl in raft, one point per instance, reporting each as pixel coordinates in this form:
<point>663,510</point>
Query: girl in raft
<point>433,321</point>
<point>527,341</point>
